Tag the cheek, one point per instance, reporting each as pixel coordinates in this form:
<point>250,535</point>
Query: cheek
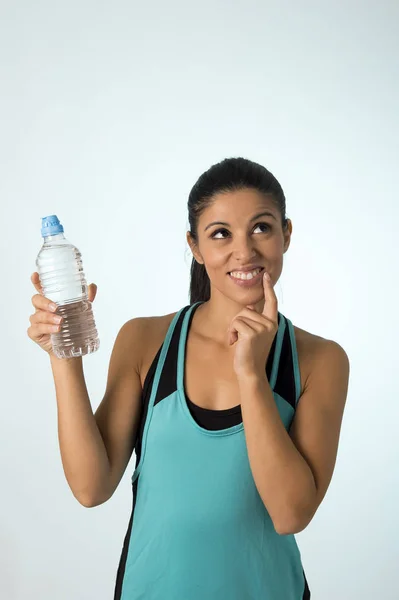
<point>217,262</point>
<point>215,258</point>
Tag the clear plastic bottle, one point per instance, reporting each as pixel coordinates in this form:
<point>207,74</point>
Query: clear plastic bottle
<point>60,268</point>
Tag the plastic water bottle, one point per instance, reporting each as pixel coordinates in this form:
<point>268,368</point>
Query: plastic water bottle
<point>60,268</point>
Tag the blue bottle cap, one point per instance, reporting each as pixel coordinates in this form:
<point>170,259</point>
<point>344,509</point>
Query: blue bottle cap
<point>51,226</point>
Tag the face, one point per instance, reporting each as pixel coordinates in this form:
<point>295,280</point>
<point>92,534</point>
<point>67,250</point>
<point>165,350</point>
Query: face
<point>232,234</point>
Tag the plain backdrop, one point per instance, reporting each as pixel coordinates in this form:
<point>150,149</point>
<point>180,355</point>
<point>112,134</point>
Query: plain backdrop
<point>109,113</point>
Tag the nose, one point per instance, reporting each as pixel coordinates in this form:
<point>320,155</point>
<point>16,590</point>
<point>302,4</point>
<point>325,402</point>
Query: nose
<point>244,250</point>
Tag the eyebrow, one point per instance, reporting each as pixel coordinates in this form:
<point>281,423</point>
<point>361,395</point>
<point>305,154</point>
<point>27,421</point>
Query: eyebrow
<point>261,214</point>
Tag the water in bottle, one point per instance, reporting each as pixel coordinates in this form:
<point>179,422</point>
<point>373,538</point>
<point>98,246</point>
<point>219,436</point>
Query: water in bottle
<point>60,268</point>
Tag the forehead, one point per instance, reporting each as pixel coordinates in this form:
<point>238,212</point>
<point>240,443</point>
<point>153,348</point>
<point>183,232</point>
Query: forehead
<point>237,205</point>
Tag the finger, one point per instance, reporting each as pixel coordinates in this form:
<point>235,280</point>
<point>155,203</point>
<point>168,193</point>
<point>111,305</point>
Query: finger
<point>42,303</point>
<point>255,326</point>
<point>44,316</point>
<point>35,332</point>
<point>270,308</point>
<point>253,316</point>
<point>35,279</point>
<point>241,326</point>
<point>92,292</point>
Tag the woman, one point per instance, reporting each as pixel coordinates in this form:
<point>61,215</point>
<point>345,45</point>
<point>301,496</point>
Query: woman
<point>234,413</point>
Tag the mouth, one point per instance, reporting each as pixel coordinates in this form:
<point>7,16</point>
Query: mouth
<point>260,269</point>
<point>248,279</point>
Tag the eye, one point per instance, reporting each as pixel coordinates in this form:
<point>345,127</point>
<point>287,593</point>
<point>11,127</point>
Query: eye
<point>266,225</point>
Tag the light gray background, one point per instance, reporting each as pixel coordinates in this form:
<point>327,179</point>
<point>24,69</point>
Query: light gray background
<point>109,114</point>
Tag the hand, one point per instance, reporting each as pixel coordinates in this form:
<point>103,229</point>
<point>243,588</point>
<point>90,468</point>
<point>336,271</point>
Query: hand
<point>253,334</point>
<point>42,321</point>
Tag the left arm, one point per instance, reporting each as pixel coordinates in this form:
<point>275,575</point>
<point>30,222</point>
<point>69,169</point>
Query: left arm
<point>292,471</point>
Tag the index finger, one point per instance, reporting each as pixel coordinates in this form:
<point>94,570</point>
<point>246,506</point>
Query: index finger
<point>270,308</point>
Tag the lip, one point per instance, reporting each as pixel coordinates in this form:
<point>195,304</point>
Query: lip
<point>246,269</point>
<point>246,283</point>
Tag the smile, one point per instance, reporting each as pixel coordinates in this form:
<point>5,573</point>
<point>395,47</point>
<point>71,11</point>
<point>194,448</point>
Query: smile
<point>246,279</point>
<point>247,274</point>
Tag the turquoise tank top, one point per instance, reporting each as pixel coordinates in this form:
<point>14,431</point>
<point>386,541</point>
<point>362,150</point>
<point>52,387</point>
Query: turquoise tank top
<point>199,529</point>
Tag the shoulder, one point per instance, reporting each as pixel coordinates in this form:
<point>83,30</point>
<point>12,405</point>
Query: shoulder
<point>143,337</point>
<point>157,325</point>
<point>148,325</point>
<point>316,353</point>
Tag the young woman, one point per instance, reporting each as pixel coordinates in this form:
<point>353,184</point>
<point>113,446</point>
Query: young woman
<point>233,412</point>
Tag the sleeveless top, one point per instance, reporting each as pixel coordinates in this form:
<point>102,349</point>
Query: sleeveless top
<point>198,529</point>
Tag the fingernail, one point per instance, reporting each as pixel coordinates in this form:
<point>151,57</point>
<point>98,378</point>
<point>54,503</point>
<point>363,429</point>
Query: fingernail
<point>266,276</point>
<point>52,306</point>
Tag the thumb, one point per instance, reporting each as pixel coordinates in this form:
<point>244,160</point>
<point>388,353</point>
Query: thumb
<point>35,279</point>
<point>92,292</point>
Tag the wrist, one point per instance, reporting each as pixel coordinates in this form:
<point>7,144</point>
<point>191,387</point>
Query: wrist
<point>251,378</point>
<point>54,360</point>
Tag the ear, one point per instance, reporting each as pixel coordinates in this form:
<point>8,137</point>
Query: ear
<point>287,235</point>
<point>194,248</point>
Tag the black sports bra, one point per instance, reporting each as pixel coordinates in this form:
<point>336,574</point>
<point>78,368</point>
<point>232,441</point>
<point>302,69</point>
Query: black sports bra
<point>215,419</point>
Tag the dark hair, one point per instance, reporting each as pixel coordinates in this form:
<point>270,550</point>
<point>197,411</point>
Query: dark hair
<point>231,174</point>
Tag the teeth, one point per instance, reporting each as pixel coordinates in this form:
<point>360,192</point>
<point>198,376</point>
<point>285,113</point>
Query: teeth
<point>249,275</point>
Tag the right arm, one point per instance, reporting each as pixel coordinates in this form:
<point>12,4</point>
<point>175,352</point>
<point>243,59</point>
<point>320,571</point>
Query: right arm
<point>96,448</point>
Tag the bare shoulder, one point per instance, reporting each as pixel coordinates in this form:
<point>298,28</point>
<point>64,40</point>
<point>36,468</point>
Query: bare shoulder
<point>312,349</point>
<point>157,325</point>
<point>310,344</point>
<point>153,331</point>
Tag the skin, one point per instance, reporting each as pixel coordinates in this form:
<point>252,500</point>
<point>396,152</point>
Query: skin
<point>237,245</point>
<point>44,321</point>
<point>210,377</point>
<point>228,344</point>
<point>292,470</point>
